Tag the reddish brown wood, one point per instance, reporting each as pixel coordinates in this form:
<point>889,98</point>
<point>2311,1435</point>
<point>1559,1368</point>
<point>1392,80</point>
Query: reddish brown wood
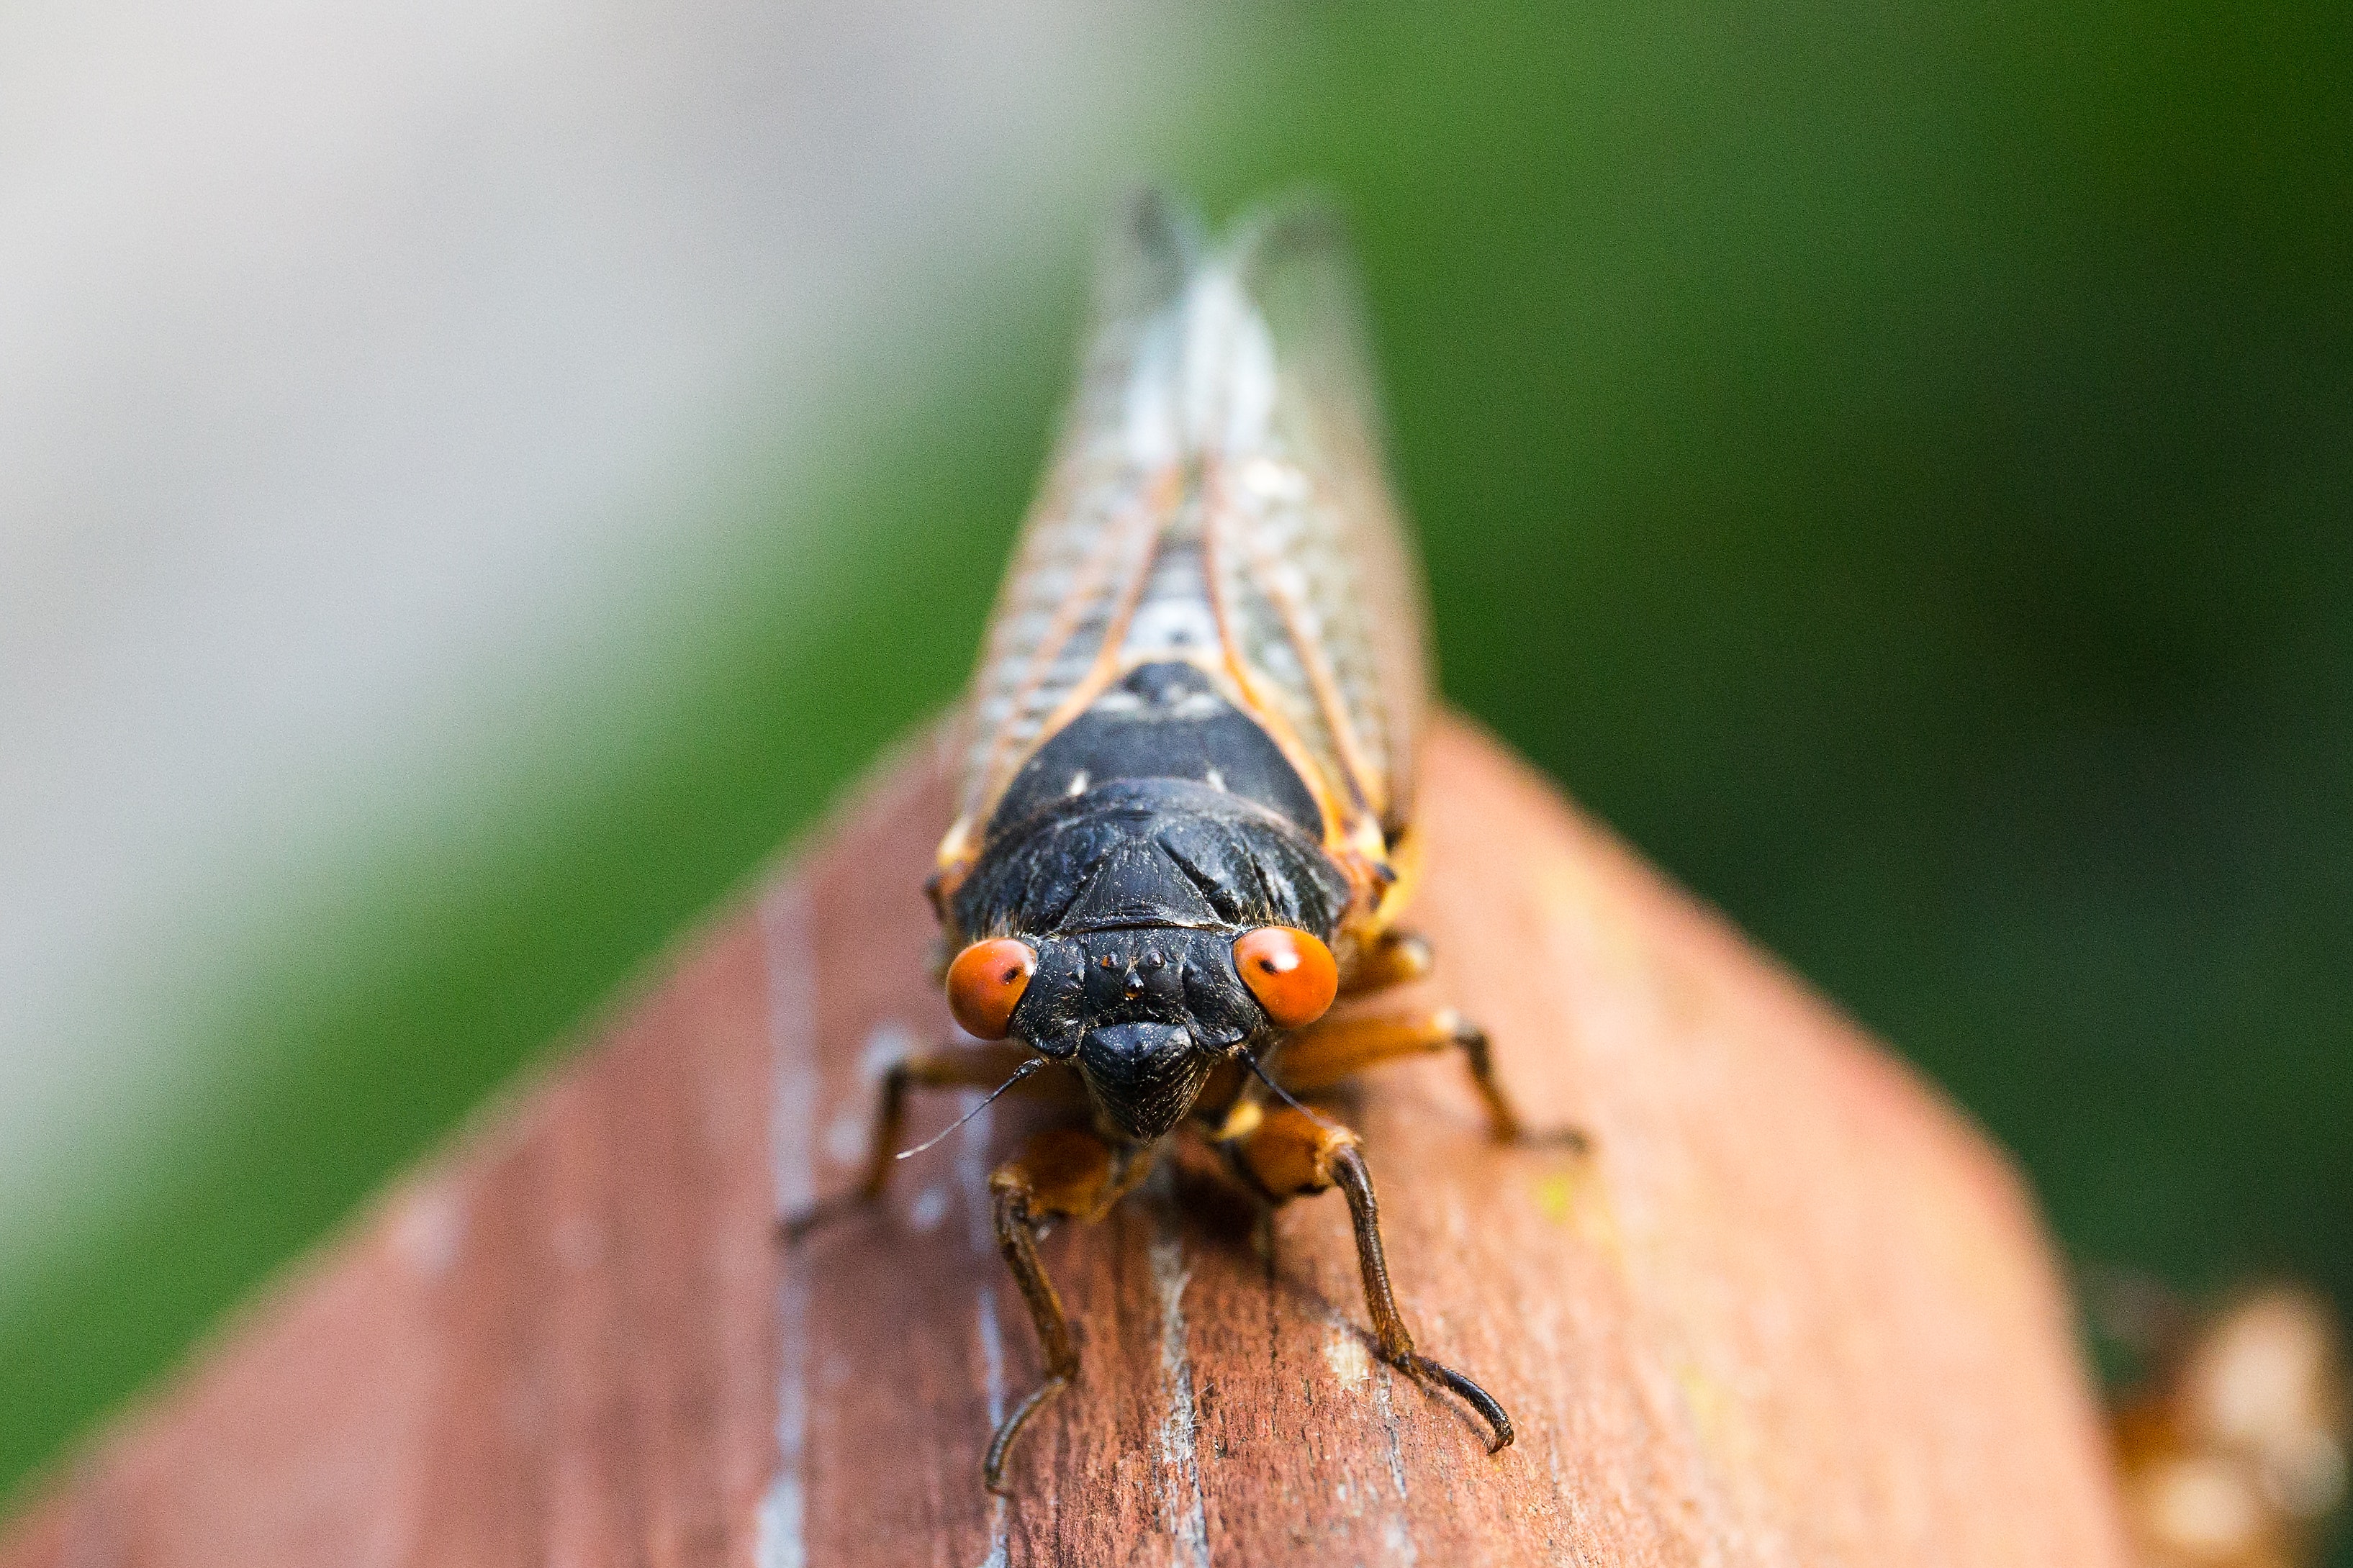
<point>1792,1311</point>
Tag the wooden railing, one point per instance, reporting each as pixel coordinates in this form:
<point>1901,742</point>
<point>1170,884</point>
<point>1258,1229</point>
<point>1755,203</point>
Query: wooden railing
<point>1792,1309</point>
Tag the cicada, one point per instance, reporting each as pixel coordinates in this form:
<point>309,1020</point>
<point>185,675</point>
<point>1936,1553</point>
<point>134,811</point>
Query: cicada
<point>1185,822</point>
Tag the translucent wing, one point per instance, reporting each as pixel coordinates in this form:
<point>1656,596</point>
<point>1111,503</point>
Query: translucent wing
<point>1217,495</point>
<point>1322,597</point>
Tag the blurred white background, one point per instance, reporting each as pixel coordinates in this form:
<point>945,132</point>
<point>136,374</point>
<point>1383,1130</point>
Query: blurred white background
<point>370,378</point>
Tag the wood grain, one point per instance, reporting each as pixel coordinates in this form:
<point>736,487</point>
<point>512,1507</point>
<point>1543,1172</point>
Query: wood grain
<point>1792,1310</point>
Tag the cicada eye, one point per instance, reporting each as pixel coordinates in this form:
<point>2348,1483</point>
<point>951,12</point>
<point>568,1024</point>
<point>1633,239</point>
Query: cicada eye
<point>1290,972</point>
<point>986,982</point>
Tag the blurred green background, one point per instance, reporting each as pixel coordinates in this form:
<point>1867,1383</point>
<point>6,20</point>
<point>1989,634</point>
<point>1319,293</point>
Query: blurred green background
<point>1892,462</point>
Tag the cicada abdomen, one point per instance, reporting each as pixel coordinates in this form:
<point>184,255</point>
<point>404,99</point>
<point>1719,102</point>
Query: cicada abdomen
<point>1187,765</point>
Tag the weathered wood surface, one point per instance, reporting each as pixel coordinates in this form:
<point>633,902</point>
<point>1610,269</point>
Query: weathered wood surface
<point>1792,1310</point>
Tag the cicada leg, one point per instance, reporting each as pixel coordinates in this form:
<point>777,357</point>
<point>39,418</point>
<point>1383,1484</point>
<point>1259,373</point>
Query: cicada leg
<point>1293,1154</point>
<point>1331,1049</point>
<point>981,1065</point>
<point>1067,1173</point>
<point>1391,958</point>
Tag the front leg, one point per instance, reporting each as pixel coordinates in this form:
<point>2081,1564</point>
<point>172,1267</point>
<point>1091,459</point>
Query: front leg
<point>1293,1154</point>
<point>1065,1172</point>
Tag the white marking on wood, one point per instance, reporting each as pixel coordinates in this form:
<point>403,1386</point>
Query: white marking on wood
<point>845,1137</point>
<point>785,934</point>
<point>1572,1507</point>
<point>930,1208</point>
<point>992,1371</point>
<point>1345,1354</point>
<point>1398,1533</point>
<point>1181,1487</point>
<point>886,1048</point>
<point>972,1175</point>
<point>992,1356</point>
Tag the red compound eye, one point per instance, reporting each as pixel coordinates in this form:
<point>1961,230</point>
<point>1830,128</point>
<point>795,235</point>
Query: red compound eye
<point>1290,972</point>
<point>986,982</point>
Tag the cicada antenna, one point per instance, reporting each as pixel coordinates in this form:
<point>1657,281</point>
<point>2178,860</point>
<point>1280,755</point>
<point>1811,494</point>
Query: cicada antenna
<point>1024,1071</point>
<point>1285,1094</point>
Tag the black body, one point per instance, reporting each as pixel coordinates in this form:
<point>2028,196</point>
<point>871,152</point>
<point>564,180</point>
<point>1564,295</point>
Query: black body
<point>1131,852</point>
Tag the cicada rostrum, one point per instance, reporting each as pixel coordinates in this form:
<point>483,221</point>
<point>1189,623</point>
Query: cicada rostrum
<point>1187,765</point>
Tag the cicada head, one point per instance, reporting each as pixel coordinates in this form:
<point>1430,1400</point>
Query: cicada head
<point>1144,930</point>
<point>1144,1013</point>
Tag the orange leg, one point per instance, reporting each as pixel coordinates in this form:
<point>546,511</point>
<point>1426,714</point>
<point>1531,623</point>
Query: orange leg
<point>1065,1172</point>
<point>1293,1154</point>
<point>1325,1053</point>
<point>1391,958</point>
<point>951,1066</point>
